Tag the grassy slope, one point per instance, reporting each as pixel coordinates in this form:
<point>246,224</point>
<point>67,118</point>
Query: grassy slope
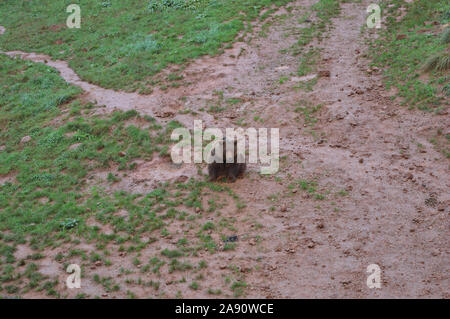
<point>45,203</point>
<point>404,46</point>
<point>122,44</point>
<point>44,198</point>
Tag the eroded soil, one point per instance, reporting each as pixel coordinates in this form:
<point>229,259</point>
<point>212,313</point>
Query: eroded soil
<point>362,151</point>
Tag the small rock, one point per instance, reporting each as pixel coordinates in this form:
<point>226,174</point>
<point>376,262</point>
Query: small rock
<point>431,23</point>
<point>75,146</point>
<point>122,154</point>
<point>231,239</point>
<point>324,74</point>
<point>283,208</point>
<point>98,263</point>
<point>246,269</point>
<point>25,139</point>
<point>165,112</point>
<point>181,179</point>
<point>282,68</point>
<point>197,210</point>
<point>435,252</point>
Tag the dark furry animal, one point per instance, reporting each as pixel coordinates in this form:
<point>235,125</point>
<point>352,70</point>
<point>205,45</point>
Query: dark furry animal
<point>229,170</point>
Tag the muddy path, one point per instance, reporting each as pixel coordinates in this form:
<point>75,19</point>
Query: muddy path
<point>386,201</point>
<point>368,147</point>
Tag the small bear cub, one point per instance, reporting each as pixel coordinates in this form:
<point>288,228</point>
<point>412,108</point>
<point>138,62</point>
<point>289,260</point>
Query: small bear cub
<point>220,167</point>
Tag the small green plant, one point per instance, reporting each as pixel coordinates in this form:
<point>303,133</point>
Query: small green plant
<point>172,253</point>
<point>439,62</point>
<point>194,285</point>
<point>238,288</point>
<point>69,223</point>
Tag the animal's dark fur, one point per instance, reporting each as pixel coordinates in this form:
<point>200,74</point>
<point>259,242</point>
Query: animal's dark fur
<point>229,170</point>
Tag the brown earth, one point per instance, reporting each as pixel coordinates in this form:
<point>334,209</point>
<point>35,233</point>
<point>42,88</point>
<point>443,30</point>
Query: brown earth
<point>386,199</point>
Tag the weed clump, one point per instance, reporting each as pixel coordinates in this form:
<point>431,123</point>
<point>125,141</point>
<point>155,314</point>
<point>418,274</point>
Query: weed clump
<point>438,62</point>
<point>445,39</point>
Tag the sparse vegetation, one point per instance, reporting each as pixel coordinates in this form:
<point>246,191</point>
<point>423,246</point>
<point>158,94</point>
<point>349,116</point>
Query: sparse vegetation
<point>412,46</point>
<point>133,39</point>
<point>93,185</point>
<point>50,203</point>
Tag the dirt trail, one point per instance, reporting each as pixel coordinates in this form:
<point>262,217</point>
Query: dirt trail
<point>369,149</point>
<point>363,143</point>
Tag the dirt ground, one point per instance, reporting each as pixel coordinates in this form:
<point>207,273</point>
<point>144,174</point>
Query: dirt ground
<point>396,205</point>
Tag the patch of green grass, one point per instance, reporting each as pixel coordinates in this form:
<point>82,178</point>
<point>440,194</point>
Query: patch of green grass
<point>176,265</point>
<point>229,246</point>
<point>214,291</point>
<point>408,48</point>
<point>172,253</point>
<point>238,288</point>
<point>308,61</point>
<point>47,201</point>
<point>194,285</point>
<point>308,110</point>
<point>324,11</point>
<point>133,40</point>
<point>309,186</point>
<point>283,79</point>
